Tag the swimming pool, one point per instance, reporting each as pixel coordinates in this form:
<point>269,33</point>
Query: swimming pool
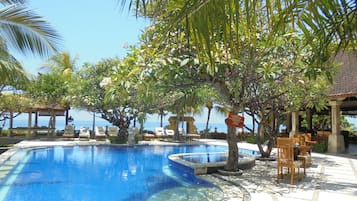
<point>96,173</point>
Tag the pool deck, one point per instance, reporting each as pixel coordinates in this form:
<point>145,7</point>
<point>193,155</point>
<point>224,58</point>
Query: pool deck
<point>331,176</point>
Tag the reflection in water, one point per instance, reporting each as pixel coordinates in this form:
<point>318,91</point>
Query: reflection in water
<point>112,172</point>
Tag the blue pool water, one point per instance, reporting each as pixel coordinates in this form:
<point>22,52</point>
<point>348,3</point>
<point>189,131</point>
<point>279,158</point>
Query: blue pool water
<point>100,173</point>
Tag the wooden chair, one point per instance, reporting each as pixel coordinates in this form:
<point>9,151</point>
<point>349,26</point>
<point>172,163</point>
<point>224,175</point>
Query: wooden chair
<point>305,147</point>
<point>285,147</point>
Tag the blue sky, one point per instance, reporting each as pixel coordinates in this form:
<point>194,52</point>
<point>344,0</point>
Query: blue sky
<point>91,30</point>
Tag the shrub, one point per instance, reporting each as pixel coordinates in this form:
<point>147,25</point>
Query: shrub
<point>118,139</point>
<point>320,147</point>
<point>251,139</point>
<point>138,138</point>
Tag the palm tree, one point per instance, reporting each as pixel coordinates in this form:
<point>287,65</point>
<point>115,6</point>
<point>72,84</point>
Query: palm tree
<point>11,71</point>
<point>26,31</point>
<point>61,64</point>
<point>324,23</point>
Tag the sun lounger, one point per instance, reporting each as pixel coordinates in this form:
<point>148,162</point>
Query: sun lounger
<point>84,133</point>
<point>148,135</point>
<point>113,131</point>
<point>68,131</point>
<point>100,132</point>
<point>169,133</point>
<point>159,131</point>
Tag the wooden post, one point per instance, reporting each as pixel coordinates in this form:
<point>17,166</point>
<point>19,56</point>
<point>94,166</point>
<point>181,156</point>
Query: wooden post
<point>29,126</point>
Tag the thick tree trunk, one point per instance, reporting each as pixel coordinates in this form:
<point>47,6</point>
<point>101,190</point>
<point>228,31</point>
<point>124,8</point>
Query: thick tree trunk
<point>232,161</point>
<point>265,153</point>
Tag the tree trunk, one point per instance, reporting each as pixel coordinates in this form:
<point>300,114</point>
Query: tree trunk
<point>269,145</point>
<point>208,118</point>
<point>232,161</point>
<point>161,117</point>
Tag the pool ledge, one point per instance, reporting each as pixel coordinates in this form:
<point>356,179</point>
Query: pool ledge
<point>178,162</point>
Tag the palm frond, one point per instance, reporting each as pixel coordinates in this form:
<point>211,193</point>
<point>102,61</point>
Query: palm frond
<point>27,32</point>
<point>8,2</point>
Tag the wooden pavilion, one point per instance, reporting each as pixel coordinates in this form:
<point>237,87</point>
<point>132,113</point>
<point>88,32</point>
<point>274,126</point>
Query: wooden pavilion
<point>39,110</point>
<point>342,100</point>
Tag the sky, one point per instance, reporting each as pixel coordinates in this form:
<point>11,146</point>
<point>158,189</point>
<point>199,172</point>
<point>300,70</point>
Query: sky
<point>91,30</point>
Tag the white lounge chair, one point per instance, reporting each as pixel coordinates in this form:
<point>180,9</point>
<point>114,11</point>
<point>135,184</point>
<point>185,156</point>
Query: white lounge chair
<point>68,131</point>
<point>159,131</point>
<point>113,131</point>
<point>100,132</point>
<point>84,133</point>
<point>169,132</point>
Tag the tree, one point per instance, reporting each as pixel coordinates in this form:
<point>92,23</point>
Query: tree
<point>212,102</point>
<point>188,100</point>
<point>222,43</point>
<point>26,31</point>
<point>107,88</point>
<point>63,64</point>
<point>11,71</point>
<point>11,106</point>
<point>324,23</point>
<point>164,69</point>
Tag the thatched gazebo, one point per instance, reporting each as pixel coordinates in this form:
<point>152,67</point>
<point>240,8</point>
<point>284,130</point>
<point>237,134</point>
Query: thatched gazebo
<point>39,110</point>
<point>342,100</point>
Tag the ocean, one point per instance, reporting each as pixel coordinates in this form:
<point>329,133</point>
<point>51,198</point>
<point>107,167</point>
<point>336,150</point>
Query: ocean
<point>60,124</point>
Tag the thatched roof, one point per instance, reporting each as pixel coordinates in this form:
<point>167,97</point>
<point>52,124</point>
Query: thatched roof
<point>345,81</point>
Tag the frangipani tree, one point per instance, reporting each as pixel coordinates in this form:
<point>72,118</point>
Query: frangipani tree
<point>280,86</point>
<point>108,88</point>
<point>228,43</point>
<point>12,105</point>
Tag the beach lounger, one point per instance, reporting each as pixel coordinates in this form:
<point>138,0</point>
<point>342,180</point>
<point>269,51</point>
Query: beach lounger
<point>148,135</point>
<point>84,133</point>
<point>100,132</point>
<point>159,131</point>
<point>113,131</point>
<point>68,131</point>
<point>169,132</point>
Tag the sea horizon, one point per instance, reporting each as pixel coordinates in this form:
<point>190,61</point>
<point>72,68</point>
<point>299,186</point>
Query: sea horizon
<point>150,125</point>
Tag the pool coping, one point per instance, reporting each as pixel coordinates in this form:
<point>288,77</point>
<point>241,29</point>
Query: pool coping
<point>206,168</point>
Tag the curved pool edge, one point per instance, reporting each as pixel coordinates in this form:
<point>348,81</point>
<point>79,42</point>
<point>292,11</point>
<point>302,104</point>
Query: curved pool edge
<point>205,168</point>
